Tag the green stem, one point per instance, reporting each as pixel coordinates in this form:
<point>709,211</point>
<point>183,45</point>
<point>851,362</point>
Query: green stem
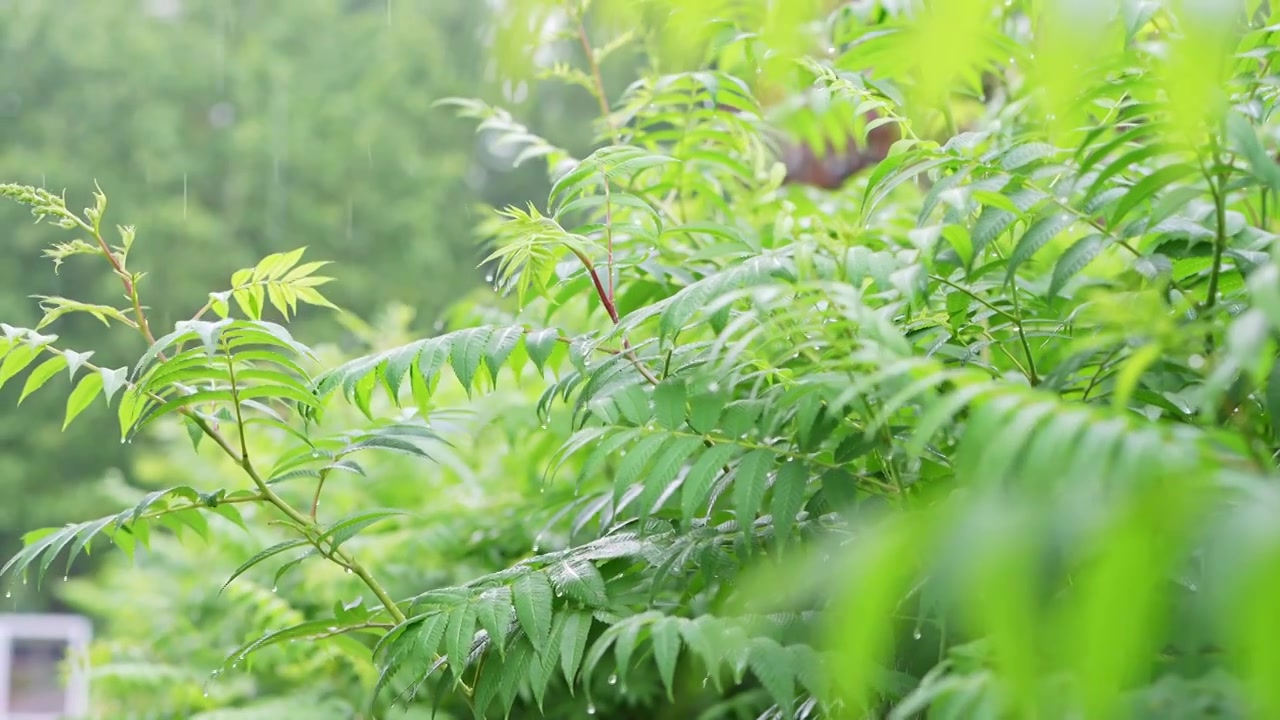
<point>1022,337</point>
<point>594,66</point>
<point>1218,190</point>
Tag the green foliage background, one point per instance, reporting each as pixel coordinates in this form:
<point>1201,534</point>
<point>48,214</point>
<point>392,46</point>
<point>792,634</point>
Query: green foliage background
<point>989,432</point>
<point>226,130</point>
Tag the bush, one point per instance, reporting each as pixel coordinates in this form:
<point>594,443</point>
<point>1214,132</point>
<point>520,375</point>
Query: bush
<point>986,433</point>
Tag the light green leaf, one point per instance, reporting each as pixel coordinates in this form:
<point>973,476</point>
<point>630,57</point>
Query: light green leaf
<point>665,635</point>
<point>41,375</point>
<point>749,485</point>
<point>83,396</point>
<point>573,644</point>
<point>669,403</point>
<point>531,595</point>
<point>788,498</point>
<point>458,638</point>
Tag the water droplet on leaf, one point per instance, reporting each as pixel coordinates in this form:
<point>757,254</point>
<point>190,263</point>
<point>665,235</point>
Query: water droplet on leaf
<point>613,679</point>
<point>591,709</point>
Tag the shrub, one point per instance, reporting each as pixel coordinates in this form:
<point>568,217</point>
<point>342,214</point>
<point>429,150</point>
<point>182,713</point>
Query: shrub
<point>986,433</point>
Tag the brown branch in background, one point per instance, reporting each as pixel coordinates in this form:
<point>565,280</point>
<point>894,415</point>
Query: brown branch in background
<point>832,168</point>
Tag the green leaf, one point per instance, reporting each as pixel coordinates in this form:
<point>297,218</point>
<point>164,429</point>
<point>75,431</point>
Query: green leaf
<point>749,485</point>
<point>991,223</point>
<point>502,342</point>
<point>540,344</point>
<point>89,388</point>
<point>771,663</point>
<point>1075,259</point>
<point>580,580</point>
<point>263,555</point>
<point>18,359</point>
<point>1147,187</point>
<point>573,644</point>
<point>665,635</point>
<point>636,460</point>
<point>698,481</point>
<point>669,403</point>
<point>531,595</point>
<point>41,375</point>
<point>347,528</point>
<point>493,613</point>
<point>788,498</point>
<point>458,638</point>
<point>1036,237</point>
<point>466,353</point>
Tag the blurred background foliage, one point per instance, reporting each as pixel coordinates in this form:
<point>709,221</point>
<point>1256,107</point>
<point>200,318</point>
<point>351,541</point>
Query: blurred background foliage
<point>1087,416</point>
<point>227,130</point>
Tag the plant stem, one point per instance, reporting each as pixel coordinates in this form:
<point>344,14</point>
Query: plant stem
<point>613,314</point>
<point>130,288</point>
<point>315,502</point>
<point>608,239</point>
<point>598,79</point>
<point>1218,190</point>
<point>1022,336</point>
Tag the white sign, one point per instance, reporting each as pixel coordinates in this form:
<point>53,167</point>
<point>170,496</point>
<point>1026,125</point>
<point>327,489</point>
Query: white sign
<point>43,666</point>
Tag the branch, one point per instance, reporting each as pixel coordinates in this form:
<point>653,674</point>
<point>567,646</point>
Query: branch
<point>241,456</point>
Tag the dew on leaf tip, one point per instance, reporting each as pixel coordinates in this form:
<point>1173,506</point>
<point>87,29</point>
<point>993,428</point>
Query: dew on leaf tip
<point>613,679</point>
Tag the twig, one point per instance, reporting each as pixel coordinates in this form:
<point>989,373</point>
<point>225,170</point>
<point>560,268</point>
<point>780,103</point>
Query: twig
<point>598,79</point>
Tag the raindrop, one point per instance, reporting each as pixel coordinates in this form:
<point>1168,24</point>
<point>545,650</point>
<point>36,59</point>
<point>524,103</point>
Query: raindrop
<point>537,541</point>
<point>8,593</point>
<point>613,679</point>
<point>916,634</point>
<point>206,693</point>
<point>64,578</point>
<point>704,680</point>
<point>544,426</point>
<point>591,708</point>
<point>488,278</point>
<point>1192,587</point>
<point>274,588</point>
<point>713,387</point>
<point>348,571</point>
